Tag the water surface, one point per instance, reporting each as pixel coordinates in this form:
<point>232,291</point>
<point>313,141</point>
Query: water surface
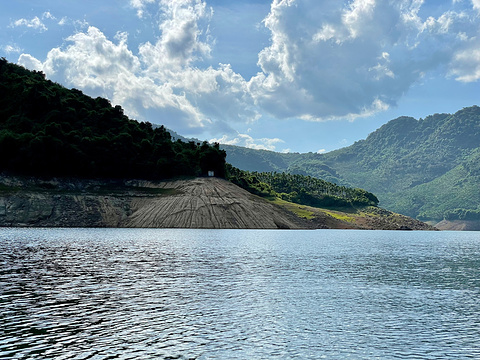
<point>238,294</point>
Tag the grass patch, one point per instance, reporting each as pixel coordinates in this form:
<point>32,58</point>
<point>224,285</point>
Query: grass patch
<point>340,216</point>
<point>299,210</point>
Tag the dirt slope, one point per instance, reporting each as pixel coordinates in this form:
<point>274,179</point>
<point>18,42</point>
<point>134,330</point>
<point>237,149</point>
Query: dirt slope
<point>459,225</point>
<point>208,203</point>
<point>195,203</point>
<point>203,203</point>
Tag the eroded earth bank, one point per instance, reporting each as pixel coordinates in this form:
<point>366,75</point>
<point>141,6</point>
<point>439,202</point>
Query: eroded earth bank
<point>211,203</point>
<point>194,203</point>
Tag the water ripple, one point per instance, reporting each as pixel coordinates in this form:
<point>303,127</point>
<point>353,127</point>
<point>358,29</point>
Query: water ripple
<point>182,294</point>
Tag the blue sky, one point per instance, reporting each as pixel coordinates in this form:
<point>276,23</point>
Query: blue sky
<point>283,75</point>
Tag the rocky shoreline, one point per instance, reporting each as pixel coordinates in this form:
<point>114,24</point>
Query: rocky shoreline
<point>204,203</point>
<point>195,203</point>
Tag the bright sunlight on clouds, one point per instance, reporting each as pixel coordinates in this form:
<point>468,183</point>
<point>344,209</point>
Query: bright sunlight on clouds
<point>320,60</point>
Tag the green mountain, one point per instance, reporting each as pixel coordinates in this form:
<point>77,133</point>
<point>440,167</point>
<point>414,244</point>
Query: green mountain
<point>295,163</point>
<point>301,189</point>
<point>48,130</point>
<point>427,168</point>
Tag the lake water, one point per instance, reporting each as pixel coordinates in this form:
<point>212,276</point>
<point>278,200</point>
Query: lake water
<point>238,294</point>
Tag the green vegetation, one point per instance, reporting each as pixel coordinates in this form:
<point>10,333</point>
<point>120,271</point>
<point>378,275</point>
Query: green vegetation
<point>299,210</point>
<point>462,214</point>
<point>427,168</point>
<point>292,163</point>
<point>48,130</point>
<point>340,216</point>
<point>300,189</point>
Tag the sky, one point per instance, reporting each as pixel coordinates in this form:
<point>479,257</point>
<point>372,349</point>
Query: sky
<point>282,75</point>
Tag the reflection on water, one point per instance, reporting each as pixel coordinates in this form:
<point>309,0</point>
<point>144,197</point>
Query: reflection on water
<point>238,294</point>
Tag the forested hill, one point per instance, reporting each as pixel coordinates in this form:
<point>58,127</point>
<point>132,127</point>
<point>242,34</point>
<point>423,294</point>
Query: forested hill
<point>427,168</point>
<point>301,189</point>
<point>48,130</point>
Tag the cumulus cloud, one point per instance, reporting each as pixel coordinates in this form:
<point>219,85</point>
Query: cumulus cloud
<point>466,64</point>
<point>160,83</point>
<point>30,62</point>
<point>327,60</point>
<point>105,68</point>
<point>140,6</point>
<point>182,41</point>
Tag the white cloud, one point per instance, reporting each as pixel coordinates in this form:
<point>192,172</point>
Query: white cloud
<point>63,21</point>
<point>160,83</point>
<point>321,151</point>
<point>248,141</point>
<point>92,61</point>
<point>140,6</point>
<point>30,62</point>
<point>381,69</point>
<point>326,61</point>
<point>34,23</point>
<point>81,24</point>
<point>181,41</point>
<point>48,15</point>
<point>9,49</point>
<point>466,64</point>
<point>180,30</point>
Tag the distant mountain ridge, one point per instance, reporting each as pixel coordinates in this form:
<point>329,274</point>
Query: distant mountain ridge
<point>427,168</point>
<point>50,131</point>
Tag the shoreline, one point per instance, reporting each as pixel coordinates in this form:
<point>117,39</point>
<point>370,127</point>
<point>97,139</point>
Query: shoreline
<point>197,203</point>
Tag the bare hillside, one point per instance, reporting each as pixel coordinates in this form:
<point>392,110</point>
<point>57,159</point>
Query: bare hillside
<point>195,203</point>
<point>200,203</point>
<point>208,203</point>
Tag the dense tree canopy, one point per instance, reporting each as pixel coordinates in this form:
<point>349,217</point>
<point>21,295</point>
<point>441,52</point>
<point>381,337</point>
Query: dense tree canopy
<point>301,189</point>
<point>427,168</point>
<point>48,130</point>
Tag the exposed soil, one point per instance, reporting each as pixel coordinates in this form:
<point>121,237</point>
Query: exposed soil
<point>205,203</point>
<point>195,203</point>
<point>459,225</point>
<point>208,203</point>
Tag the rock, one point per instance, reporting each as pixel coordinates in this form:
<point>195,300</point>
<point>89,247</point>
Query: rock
<point>209,203</point>
<point>204,203</point>
<point>197,203</point>
<point>459,225</point>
